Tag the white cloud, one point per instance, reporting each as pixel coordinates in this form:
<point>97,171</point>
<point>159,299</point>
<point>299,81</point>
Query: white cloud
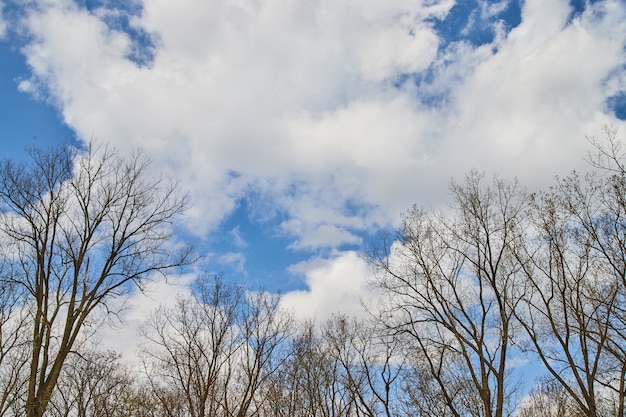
<point>123,337</point>
<point>234,260</point>
<point>237,237</point>
<point>393,51</point>
<point>319,235</point>
<point>531,103</point>
<point>295,100</point>
<point>226,93</point>
<point>3,23</point>
<point>489,9</point>
<point>336,285</point>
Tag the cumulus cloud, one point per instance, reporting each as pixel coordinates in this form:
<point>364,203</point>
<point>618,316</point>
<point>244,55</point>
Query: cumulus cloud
<point>544,87</point>
<point>336,285</point>
<point>236,90</point>
<point>339,116</point>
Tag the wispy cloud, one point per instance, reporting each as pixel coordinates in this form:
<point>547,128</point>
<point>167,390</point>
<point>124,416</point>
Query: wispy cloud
<point>237,237</point>
<point>235,260</point>
<point>3,23</point>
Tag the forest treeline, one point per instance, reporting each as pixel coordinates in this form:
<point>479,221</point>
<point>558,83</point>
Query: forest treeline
<point>505,303</point>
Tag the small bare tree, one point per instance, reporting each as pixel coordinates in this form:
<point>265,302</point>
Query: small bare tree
<point>93,384</point>
<point>187,348</point>
<point>216,349</point>
<point>370,362</point>
<point>312,381</point>
<point>265,331</point>
<point>13,348</point>
<point>81,227</point>
<point>609,155</point>
<point>548,399</point>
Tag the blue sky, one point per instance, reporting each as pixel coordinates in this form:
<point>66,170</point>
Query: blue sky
<point>25,120</point>
<point>302,129</point>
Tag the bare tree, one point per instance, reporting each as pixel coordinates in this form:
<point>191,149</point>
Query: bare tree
<point>150,400</point>
<point>422,395</point>
<point>265,330</point>
<point>216,348</point>
<point>371,364</point>
<point>13,348</point>
<point>560,315</point>
<point>188,347</point>
<point>609,155</point>
<point>81,228</point>
<point>600,210</point>
<point>548,399</point>
<point>311,382</point>
<point>339,369</point>
<point>93,384</point>
<point>453,284</point>
<point>575,315</point>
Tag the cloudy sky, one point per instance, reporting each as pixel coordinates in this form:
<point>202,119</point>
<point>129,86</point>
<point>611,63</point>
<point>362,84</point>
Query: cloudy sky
<point>302,128</point>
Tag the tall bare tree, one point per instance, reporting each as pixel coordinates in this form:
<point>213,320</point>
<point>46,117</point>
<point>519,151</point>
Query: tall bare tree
<point>575,314</point>
<point>559,312</point>
<point>82,227</point>
<point>453,284</point>
<point>602,216</point>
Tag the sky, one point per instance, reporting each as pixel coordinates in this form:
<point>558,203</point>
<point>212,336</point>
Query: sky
<point>301,129</point>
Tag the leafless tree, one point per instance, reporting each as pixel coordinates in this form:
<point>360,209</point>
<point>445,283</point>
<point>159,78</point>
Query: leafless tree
<point>421,391</point>
<point>609,155</point>
<point>216,348</point>
<point>81,227</point>
<point>342,368</point>
<point>575,317</point>
<point>599,207</point>
<point>371,364</point>
<point>93,384</point>
<point>311,382</point>
<point>188,347</point>
<point>453,283</point>
<point>548,399</point>
<point>149,400</point>
<point>265,330</point>
<point>13,348</point>
<point>565,314</point>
